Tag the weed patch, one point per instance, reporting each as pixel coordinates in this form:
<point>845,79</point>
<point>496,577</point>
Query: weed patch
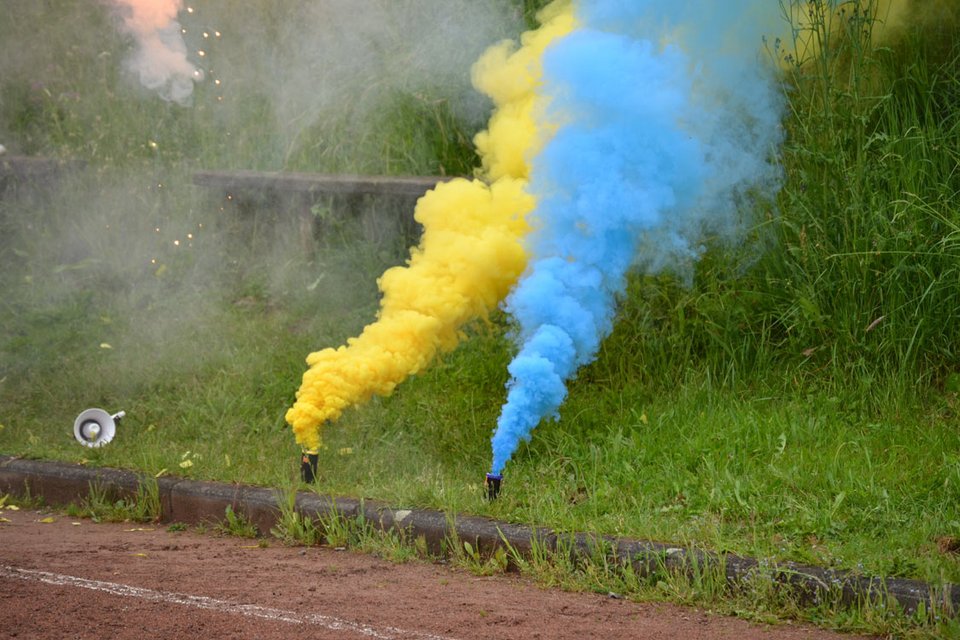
<point>235,524</point>
<point>100,506</point>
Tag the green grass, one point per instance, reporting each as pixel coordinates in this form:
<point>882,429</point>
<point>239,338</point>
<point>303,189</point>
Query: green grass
<point>796,399</point>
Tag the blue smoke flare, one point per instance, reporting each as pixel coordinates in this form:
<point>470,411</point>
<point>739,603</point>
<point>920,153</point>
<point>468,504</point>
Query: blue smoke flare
<point>666,120</point>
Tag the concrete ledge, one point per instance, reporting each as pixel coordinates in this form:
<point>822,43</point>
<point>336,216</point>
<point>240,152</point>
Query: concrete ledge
<point>195,502</point>
<point>34,169</point>
<point>315,183</point>
<point>59,483</point>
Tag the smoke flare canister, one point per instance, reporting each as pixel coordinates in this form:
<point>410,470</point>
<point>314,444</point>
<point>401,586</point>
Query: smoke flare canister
<point>492,483</point>
<point>308,465</point>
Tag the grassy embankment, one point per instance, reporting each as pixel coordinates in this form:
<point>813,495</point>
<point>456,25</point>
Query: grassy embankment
<point>797,400</point>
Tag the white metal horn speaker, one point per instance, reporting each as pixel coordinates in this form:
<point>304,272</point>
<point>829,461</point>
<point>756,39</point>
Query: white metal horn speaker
<point>95,427</point>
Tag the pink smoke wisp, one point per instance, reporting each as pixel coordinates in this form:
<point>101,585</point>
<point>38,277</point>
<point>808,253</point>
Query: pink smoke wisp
<point>160,59</point>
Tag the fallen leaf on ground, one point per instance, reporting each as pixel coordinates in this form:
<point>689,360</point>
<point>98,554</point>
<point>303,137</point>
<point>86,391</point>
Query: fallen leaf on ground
<point>949,545</point>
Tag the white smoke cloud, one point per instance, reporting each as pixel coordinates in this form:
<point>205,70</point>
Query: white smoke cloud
<point>313,61</point>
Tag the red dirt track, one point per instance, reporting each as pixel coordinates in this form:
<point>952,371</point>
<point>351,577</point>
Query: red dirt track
<point>65,580</point>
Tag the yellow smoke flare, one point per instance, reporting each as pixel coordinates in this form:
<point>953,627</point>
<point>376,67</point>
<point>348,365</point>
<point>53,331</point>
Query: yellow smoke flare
<point>469,256</point>
<point>812,21</point>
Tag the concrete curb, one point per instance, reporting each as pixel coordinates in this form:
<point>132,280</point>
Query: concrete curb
<point>194,502</point>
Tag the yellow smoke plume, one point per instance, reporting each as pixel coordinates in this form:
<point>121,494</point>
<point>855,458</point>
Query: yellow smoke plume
<point>811,22</point>
<point>469,256</point>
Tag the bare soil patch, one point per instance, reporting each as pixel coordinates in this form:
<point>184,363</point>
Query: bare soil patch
<point>70,578</point>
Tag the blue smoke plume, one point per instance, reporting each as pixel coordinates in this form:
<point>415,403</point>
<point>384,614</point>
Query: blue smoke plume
<point>667,123</point>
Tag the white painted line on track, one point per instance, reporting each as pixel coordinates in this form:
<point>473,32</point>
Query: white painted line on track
<point>212,604</point>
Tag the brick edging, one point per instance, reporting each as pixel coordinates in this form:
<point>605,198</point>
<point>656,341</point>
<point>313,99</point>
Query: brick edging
<point>194,502</point>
